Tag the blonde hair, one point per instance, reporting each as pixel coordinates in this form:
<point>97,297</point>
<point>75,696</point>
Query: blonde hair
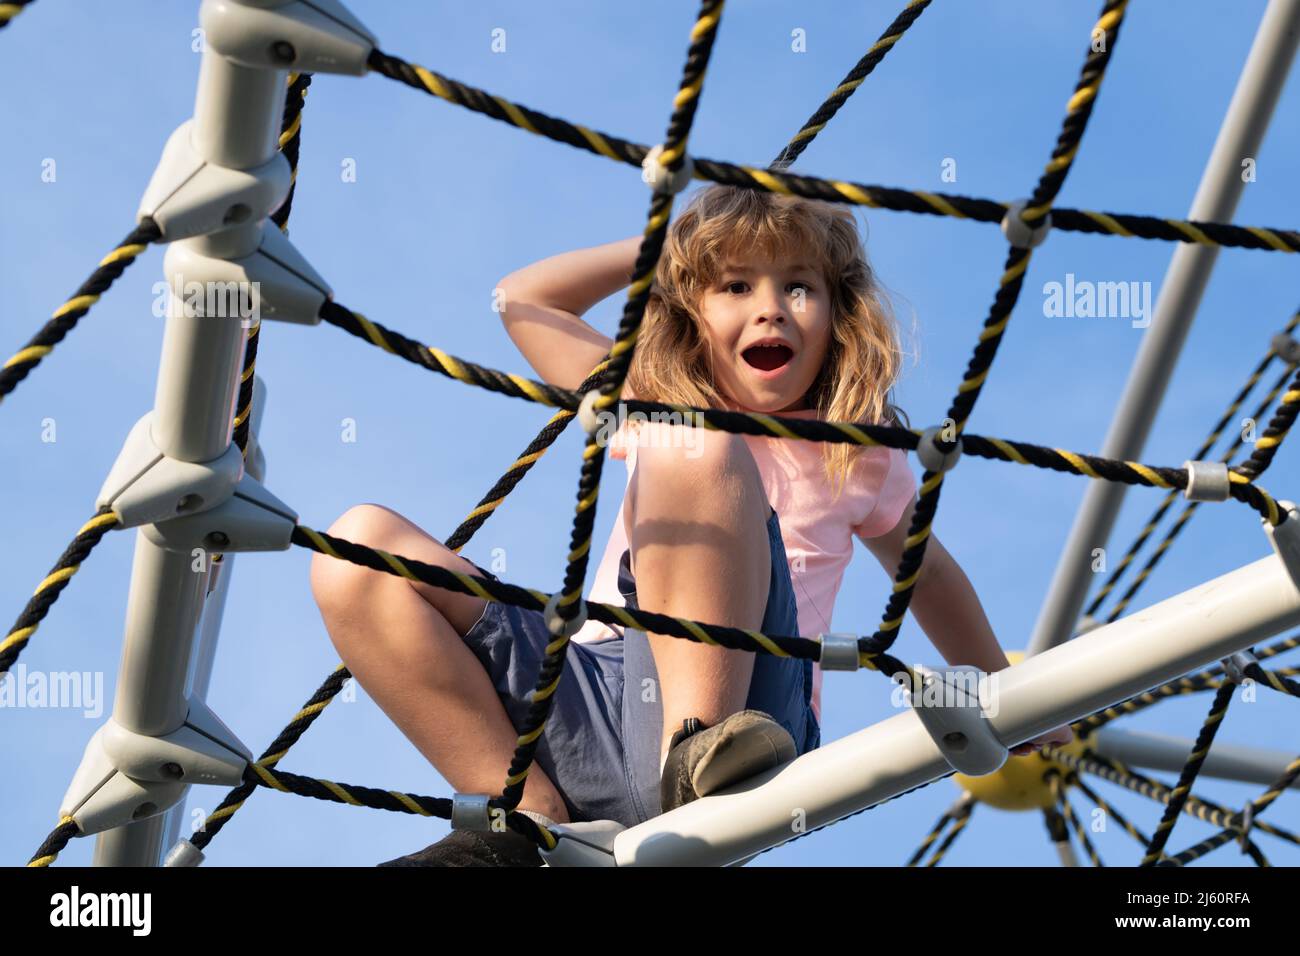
<point>671,362</point>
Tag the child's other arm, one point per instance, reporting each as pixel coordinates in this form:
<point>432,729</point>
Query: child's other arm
<point>945,605</point>
<point>542,302</point>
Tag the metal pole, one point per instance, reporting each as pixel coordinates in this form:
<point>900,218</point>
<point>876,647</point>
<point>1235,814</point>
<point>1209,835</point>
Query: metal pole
<point>1257,93</point>
<point>214,606</point>
<point>1226,761</point>
<point>236,116</point>
<point>1186,632</point>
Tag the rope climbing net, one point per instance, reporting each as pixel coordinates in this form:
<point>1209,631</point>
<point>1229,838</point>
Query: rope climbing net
<point>669,168</point>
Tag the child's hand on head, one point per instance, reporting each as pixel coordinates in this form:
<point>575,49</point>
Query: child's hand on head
<point>1060,735</point>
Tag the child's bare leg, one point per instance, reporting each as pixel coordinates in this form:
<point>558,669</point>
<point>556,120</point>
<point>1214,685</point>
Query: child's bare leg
<point>700,551</point>
<point>402,641</point>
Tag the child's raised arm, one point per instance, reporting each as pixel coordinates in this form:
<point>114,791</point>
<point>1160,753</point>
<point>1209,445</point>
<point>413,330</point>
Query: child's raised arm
<point>945,605</point>
<point>541,304</point>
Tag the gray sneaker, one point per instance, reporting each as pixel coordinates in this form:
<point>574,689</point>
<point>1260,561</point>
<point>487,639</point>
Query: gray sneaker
<point>704,759</point>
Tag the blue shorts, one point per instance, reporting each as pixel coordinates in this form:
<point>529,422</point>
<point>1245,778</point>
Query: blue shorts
<point>601,747</point>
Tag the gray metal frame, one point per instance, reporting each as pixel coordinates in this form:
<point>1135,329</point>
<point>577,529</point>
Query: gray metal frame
<point>1240,136</point>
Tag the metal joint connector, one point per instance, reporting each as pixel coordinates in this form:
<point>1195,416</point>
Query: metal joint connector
<point>588,418</point>
<point>663,180</point>
<point>1017,230</point>
<point>1286,348</point>
<point>1247,821</point>
<point>952,715</point>
<point>557,624</point>
<point>1285,539</point>
<point>933,457</point>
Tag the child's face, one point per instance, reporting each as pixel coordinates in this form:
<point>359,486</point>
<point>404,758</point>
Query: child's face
<point>756,299</point>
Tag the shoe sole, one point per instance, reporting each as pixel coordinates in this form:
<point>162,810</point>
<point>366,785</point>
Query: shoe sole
<point>751,749</point>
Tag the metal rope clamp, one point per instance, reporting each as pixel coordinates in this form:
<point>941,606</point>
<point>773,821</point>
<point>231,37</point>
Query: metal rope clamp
<point>470,811</point>
<point>1235,666</point>
<point>839,652</point>
<point>1018,232</point>
<point>1207,481</point>
<point>184,853</point>
<point>949,708</point>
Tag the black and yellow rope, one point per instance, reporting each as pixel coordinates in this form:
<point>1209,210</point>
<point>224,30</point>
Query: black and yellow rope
<point>53,844</point>
<point>1057,831</point>
<point>1233,830</point>
<point>290,139</point>
<point>939,825</point>
<point>1116,773</point>
<point>1057,785</point>
<point>778,645</point>
<point>1149,528</point>
<point>777,426</point>
<point>1184,685</point>
<point>959,814</point>
<point>670,160</point>
<point>523,463</point>
<point>258,774</point>
<point>393,342</point>
<point>66,316</point>
<point>838,191</point>
<point>47,592</point>
<point>959,821</point>
<point>1078,110</point>
<point>262,774</point>
<point>1272,679</point>
<point>436,360</point>
<point>1208,679</point>
<point>611,373</point>
<point>852,80</point>
<point>1195,760</point>
<point>1199,807</point>
<point>289,144</point>
<point>10,10</point>
<point>1266,445</point>
<point>333,684</point>
<point>1210,843</point>
<point>306,716</point>
<point>1110,811</point>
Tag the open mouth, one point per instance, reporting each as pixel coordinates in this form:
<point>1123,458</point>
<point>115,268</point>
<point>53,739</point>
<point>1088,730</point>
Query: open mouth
<point>768,358</point>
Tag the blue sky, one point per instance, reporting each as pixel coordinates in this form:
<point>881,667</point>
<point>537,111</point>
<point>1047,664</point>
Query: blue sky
<point>447,202</point>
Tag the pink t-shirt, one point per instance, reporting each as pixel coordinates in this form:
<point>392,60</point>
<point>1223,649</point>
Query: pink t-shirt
<point>817,532</point>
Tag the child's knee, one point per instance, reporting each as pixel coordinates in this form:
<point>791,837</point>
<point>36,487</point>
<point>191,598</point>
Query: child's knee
<point>335,580</point>
<point>716,465</point>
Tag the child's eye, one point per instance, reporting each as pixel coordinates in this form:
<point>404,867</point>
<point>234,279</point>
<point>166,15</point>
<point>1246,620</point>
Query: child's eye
<point>803,285</point>
<point>736,287</point>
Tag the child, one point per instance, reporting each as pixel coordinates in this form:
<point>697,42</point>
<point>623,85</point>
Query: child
<point>762,303</point>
